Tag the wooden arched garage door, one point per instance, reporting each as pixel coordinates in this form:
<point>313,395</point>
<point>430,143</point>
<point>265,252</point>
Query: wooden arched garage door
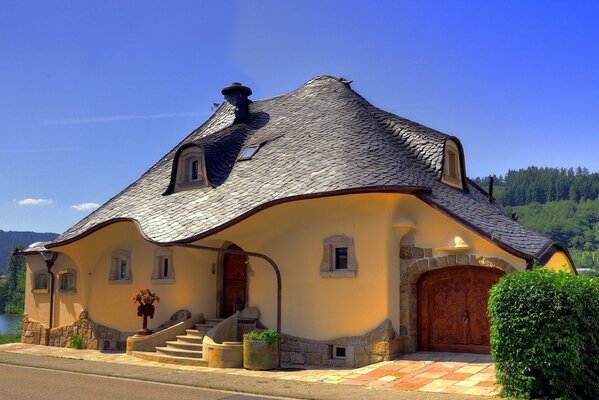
<point>452,309</point>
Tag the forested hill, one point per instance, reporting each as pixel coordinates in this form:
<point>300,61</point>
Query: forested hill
<point>562,204</point>
<point>542,185</point>
<point>10,239</point>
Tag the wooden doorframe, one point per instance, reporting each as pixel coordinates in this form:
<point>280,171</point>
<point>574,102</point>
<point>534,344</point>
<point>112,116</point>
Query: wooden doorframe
<point>422,316</point>
<point>220,280</point>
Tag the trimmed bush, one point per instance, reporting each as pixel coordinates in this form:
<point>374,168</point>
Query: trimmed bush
<point>269,336</point>
<point>545,335</point>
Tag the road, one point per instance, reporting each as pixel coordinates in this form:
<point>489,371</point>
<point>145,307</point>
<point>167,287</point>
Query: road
<point>26,383</point>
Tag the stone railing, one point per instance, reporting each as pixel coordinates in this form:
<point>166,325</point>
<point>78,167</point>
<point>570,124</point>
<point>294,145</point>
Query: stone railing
<point>150,342</point>
<point>220,347</point>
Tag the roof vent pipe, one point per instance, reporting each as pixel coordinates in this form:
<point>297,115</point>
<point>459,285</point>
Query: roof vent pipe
<point>237,95</point>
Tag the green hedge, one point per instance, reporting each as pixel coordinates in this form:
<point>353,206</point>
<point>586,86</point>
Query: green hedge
<point>545,335</point>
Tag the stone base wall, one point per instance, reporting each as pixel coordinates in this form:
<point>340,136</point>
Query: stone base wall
<point>95,336</point>
<point>377,345</point>
<point>33,332</point>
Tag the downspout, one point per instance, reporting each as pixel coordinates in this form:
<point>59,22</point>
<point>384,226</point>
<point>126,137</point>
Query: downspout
<point>249,254</point>
<point>49,264</point>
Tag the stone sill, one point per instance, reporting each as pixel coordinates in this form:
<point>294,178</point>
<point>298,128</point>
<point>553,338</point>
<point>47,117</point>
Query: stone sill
<point>338,274</point>
<point>119,281</point>
<point>40,291</point>
<point>165,281</point>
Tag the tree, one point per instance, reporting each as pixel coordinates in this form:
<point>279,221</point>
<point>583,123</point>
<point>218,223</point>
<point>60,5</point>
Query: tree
<point>12,290</point>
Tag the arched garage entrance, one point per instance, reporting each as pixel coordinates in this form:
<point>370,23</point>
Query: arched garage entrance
<point>452,309</point>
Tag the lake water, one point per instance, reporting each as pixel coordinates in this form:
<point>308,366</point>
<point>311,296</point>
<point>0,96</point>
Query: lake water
<point>8,321</point>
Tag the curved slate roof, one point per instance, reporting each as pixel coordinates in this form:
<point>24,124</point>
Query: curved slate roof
<point>320,139</point>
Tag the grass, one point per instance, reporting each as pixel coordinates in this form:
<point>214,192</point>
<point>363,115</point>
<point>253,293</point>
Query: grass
<point>13,337</point>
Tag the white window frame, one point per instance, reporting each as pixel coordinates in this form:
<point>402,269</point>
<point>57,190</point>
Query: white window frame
<point>328,267</point>
<point>119,259</point>
<point>158,273</point>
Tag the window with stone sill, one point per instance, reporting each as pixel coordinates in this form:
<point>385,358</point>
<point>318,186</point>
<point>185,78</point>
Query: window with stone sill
<point>338,258</point>
<point>67,281</point>
<point>120,267</point>
<point>163,271</point>
<point>40,282</point>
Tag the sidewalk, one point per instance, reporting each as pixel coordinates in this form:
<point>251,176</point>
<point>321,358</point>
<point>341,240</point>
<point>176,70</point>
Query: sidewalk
<point>417,376</point>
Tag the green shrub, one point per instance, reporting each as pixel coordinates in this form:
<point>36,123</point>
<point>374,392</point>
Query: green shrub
<point>545,335</point>
<point>76,342</point>
<point>13,337</point>
<point>269,336</point>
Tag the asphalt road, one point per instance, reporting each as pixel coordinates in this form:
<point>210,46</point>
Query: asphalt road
<point>26,383</point>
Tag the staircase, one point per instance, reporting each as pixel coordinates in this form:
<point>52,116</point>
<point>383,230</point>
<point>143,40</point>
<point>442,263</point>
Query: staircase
<point>190,344</point>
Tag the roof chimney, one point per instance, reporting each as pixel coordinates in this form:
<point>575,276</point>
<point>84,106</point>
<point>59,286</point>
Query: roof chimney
<point>237,95</point>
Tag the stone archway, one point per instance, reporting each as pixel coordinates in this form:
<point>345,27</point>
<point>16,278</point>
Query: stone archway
<point>414,261</point>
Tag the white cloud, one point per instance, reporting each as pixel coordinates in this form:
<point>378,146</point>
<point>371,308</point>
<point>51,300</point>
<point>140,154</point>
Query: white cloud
<point>85,206</point>
<point>115,118</point>
<point>34,202</point>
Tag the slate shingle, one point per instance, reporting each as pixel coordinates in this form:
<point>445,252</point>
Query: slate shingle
<point>319,138</point>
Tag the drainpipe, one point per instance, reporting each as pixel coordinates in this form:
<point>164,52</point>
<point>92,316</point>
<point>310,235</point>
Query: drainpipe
<point>249,254</point>
<point>49,264</point>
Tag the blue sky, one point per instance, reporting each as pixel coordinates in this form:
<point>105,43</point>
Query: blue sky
<point>93,93</point>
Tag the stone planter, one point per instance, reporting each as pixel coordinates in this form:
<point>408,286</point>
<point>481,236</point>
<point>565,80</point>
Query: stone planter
<point>260,355</point>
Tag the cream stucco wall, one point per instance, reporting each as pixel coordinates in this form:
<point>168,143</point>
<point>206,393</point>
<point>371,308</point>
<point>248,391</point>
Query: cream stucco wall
<point>323,308</point>
<point>292,234</point>
<point>109,303</point>
<point>557,262</point>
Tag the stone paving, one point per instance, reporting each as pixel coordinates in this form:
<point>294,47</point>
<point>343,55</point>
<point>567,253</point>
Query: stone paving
<point>458,373</point>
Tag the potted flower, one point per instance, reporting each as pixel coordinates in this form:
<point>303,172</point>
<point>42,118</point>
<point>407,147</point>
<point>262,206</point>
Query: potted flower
<point>145,298</point>
<point>261,349</point>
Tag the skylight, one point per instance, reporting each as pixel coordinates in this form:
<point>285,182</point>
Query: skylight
<point>248,153</point>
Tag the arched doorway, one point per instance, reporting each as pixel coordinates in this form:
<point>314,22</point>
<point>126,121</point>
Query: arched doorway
<point>234,289</point>
<point>452,309</point>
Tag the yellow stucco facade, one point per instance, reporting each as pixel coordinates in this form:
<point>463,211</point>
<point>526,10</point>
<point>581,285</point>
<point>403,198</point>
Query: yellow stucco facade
<point>292,234</point>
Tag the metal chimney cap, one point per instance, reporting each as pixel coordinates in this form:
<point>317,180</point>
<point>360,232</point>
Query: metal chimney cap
<point>236,87</point>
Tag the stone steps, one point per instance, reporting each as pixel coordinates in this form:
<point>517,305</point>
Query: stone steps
<point>172,351</point>
<point>181,345</point>
<point>190,344</point>
<point>167,359</point>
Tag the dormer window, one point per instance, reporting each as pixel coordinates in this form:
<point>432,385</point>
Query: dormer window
<point>191,171</point>
<point>452,173</point>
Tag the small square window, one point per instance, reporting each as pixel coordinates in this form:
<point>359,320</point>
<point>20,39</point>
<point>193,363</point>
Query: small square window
<point>341,258</point>
<point>41,281</point>
<point>248,153</point>
<point>67,280</point>
<point>339,352</point>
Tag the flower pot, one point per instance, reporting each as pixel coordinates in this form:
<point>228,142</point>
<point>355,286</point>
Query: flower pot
<point>260,355</point>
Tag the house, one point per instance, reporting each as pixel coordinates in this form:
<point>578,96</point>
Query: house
<point>353,231</point>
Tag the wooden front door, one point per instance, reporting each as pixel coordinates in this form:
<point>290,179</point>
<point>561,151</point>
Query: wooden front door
<point>234,281</point>
<point>452,309</point>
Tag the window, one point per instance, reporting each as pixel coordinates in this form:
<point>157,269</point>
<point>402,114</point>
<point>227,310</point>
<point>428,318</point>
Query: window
<point>249,152</point>
<point>67,280</point>
<point>40,282</point>
<point>120,268</point>
<point>452,174</point>
<point>339,352</point>
<point>163,271</point>
<point>191,171</point>
<point>338,258</point>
